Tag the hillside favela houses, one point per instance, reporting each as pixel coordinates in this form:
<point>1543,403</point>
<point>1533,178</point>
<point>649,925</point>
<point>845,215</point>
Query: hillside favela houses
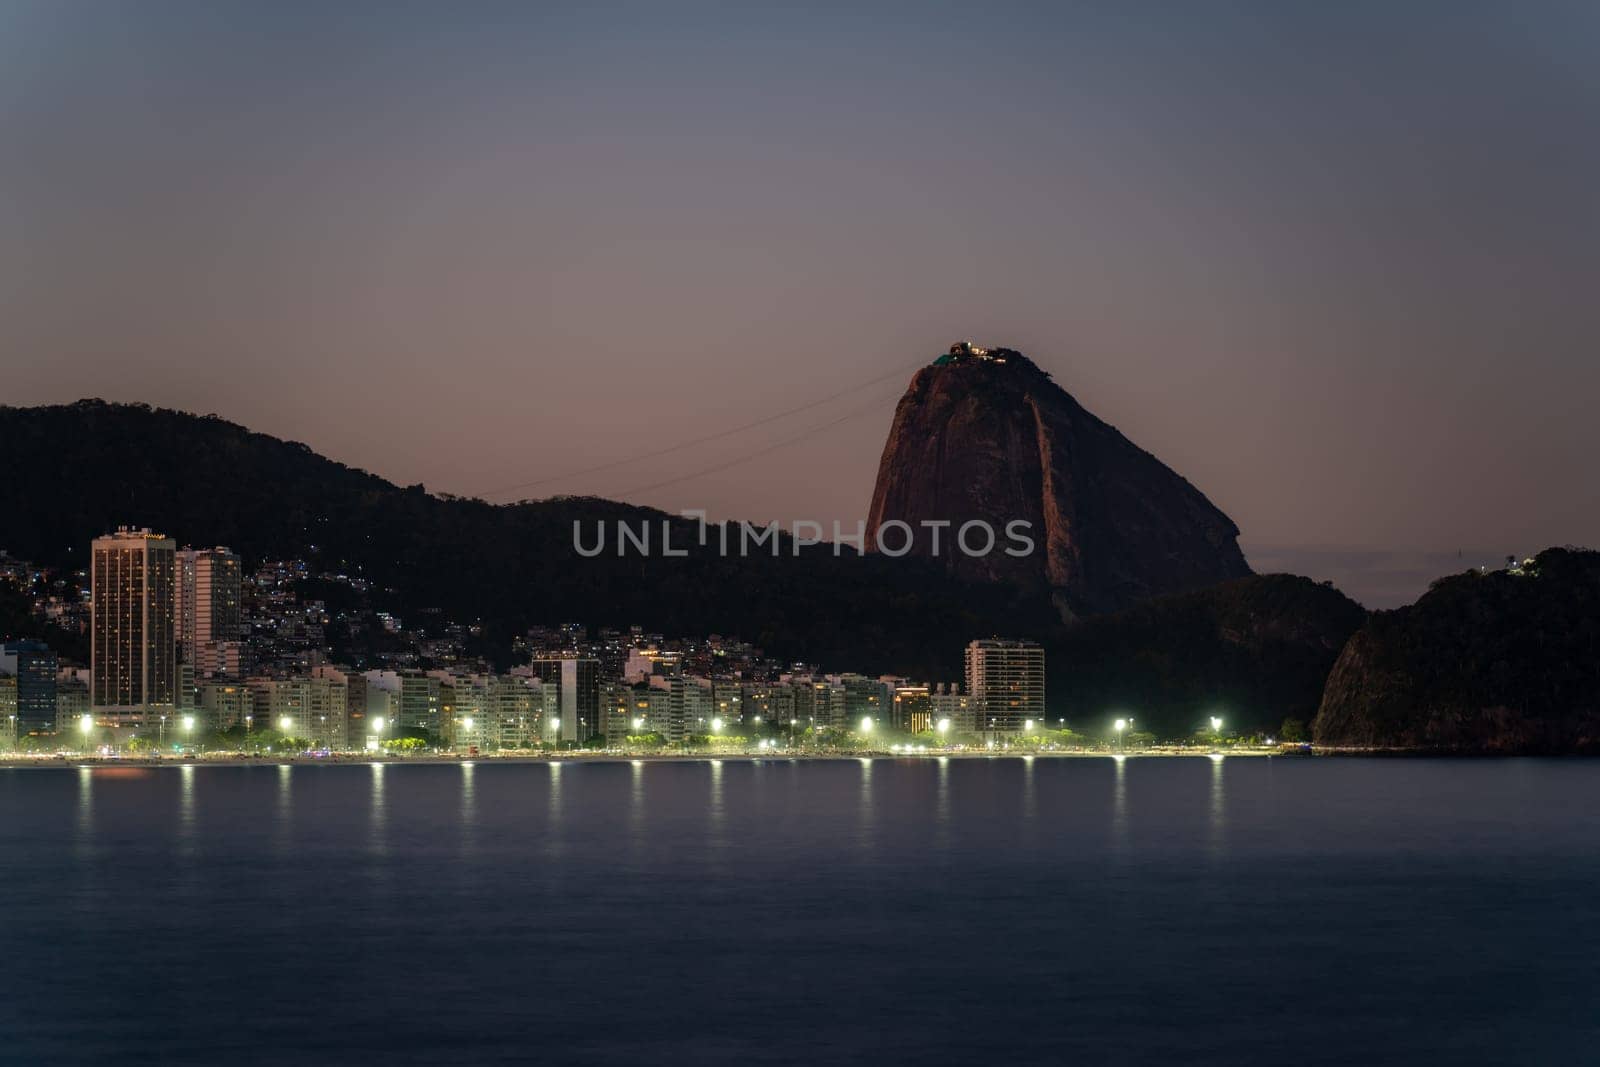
<point>190,651</point>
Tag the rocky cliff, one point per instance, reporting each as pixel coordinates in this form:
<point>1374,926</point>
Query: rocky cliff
<point>1507,661</point>
<point>984,434</point>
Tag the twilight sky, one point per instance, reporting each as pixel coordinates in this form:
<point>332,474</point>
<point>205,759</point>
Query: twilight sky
<point>1335,263</point>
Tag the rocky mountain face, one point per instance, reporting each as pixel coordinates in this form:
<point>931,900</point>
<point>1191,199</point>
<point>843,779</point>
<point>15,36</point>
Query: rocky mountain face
<point>984,434</point>
<point>1502,662</point>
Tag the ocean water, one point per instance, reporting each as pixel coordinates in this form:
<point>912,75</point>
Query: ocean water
<point>968,910</point>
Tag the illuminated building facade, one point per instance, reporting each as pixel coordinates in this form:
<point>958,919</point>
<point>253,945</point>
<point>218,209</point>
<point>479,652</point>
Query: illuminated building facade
<point>1005,681</point>
<point>133,644</point>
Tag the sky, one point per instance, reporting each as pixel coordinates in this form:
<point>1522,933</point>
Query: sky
<point>1334,263</point>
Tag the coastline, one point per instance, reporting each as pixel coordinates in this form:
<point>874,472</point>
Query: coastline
<point>362,760</point>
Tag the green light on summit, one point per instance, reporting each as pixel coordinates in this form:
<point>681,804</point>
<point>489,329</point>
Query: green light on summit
<point>966,350</point>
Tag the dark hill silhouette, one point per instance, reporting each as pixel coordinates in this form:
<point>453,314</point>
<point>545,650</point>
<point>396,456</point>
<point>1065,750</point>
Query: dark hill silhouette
<point>1259,646</point>
<point>79,470</point>
<point>1482,663</point>
<point>1255,651</point>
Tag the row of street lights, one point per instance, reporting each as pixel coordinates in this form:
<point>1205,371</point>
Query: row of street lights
<point>86,725</point>
<point>1122,725</point>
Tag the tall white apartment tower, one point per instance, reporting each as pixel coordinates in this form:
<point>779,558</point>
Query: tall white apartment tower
<point>132,640</point>
<point>1005,683</point>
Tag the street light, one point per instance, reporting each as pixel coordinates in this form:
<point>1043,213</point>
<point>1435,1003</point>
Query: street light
<point>285,724</point>
<point>1027,726</point>
<point>716,726</point>
<point>467,723</point>
<point>943,727</point>
<point>1216,724</point>
<point>638,724</point>
<point>1121,725</point>
<point>86,725</point>
<point>866,724</point>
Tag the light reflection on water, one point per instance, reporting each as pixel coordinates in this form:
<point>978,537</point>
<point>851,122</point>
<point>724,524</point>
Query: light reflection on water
<point>1119,805</point>
<point>717,843</point>
<point>284,822</point>
<point>378,808</point>
<point>85,836</point>
<point>636,804</point>
<point>715,810</point>
<point>186,812</point>
<point>1216,890</point>
<point>1218,821</point>
<point>469,811</point>
<point>866,821</point>
<point>186,806</point>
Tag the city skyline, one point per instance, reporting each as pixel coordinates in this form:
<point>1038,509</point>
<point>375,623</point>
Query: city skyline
<point>157,684</point>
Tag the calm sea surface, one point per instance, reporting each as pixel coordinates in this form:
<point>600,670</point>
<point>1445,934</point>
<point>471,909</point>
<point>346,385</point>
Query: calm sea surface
<point>1007,910</point>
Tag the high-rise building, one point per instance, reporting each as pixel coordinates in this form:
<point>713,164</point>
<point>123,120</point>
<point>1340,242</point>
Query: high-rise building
<point>132,641</point>
<point>912,710</point>
<point>72,701</point>
<point>421,702</point>
<point>8,712</point>
<point>222,659</point>
<point>952,706</point>
<point>34,666</point>
<point>464,722</point>
<point>864,698</point>
<point>826,700</point>
<point>668,710</point>
<point>225,704</point>
<point>315,709</point>
<point>577,681</point>
<point>643,662</point>
<point>515,709</point>
<point>355,704</point>
<point>699,707</point>
<point>210,601</point>
<point>616,711</point>
<point>407,700</point>
<point>380,718</point>
<point>328,713</point>
<point>767,703</point>
<point>1005,681</point>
